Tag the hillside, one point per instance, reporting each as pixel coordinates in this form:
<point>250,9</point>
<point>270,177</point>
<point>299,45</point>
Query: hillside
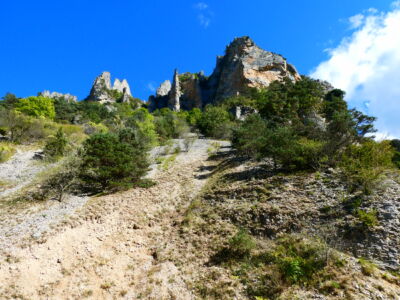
<point>252,183</point>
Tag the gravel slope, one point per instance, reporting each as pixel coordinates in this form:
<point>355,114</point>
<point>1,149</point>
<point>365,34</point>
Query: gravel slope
<point>106,250</point>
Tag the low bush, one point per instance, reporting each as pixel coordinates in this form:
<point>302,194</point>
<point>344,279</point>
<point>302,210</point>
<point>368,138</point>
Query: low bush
<point>56,146</point>
<point>368,218</point>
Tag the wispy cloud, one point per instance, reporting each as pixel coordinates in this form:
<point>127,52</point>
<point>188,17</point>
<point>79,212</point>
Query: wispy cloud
<point>150,86</point>
<point>366,64</point>
<point>204,14</point>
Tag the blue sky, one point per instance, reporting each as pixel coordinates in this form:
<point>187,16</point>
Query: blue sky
<point>63,45</point>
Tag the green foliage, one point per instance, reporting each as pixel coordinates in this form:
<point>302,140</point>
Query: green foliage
<point>143,123</point>
<point>37,107</point>
<point>169,124</point>
<point>365,164</point>
<point>111,161</point>
<point>23,128</point>
<point>257,138</point>
<point>396,157</point>
<point>56,145</point>
<point>65,110</point>
<point>94,112</point>
<point>8,101</point>
<point>283,101</point>
<point>241,244</point>
<point>215,122</point>
<point>91,128</point>
<point>115,94</point>
<point>367,267</point>
<point>250,137</point>
<point>7,150</point>
<point>298,259</point>
<point>368,218</point>
<point>194,117</point>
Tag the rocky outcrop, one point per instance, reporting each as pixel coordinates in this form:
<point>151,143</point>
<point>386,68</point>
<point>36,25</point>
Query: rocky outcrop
<point>247,65</point>
<point>102,91</point>
<point>244,65</point>
<point>56,95</point>
<point>122,86</point>
<point>164,89</point>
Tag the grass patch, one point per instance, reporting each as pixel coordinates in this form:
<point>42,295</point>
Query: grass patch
<point>267,271</point>
<point>368,218</point>
<point>367,268</point>
<point>7,150</point>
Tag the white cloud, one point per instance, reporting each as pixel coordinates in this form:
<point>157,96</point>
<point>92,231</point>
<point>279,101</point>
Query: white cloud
<point>204,14</point>
<point>367,66</point>
<point>150,86</point>
<point>356,21</point>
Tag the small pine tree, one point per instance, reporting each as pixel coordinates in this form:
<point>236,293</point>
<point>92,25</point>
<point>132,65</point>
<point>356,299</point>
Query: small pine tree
<point>55,146</point>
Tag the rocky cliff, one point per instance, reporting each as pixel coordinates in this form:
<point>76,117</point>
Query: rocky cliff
<point>56,95</point>
<point>244,65</point>
<point>102,91</point>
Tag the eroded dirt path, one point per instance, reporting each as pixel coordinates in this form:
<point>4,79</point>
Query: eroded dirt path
<point>108,249</point>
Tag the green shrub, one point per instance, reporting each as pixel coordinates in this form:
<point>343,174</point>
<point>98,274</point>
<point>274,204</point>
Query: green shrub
<point>170,124</point>
<point>365,164</point>
<point>7,150</point>
<point>143,123</point>
<point>110,163</point>
<point>396,157</point>
<point>56,145</point>
<point>65,110</point>
<point>215,122</point>
<point>194,116</point>
<point>36,107</point>
<point>94,112</point>
<point>298,259</point>
<point>368,218</point>
<point>241,244</point>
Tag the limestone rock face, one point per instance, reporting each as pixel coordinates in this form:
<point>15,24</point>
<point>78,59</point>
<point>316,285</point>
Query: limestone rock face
<point>247,65</point>
<point>244,65</point>
<point>164,89</point>
<point>55,95</point>
<point>122,86</point>
<point>102,91</point>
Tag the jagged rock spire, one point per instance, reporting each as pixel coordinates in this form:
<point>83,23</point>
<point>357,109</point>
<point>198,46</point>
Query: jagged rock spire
<point>102,89</point>
<point>175,93</point>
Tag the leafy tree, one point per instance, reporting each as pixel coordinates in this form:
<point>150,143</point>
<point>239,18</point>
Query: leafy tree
<point>37,107</point>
